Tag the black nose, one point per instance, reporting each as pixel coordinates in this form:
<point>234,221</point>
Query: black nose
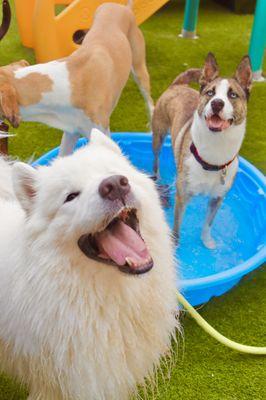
<point>115,187</point>
<point>217,105</point>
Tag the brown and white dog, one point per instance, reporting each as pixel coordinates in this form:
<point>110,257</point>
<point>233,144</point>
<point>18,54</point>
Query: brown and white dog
<point>79,92</point>
<point>207,130</point>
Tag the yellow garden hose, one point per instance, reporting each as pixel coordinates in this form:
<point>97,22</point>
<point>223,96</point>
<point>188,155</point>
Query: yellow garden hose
<point>216,335</point>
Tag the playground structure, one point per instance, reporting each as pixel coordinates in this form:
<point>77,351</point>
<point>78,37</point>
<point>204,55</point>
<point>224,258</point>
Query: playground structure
<point>258,40</point>
<point>52,36</point>
<point>258,35</point>
<point>190,19</point>
<point>25,12</point>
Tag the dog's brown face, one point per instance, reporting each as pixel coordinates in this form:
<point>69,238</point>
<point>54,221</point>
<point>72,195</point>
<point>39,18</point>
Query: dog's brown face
<point>9,108</point>
<point>223,102</point>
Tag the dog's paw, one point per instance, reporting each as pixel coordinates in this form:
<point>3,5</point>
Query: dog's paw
<point>210,244</point>
<point>208,241</point>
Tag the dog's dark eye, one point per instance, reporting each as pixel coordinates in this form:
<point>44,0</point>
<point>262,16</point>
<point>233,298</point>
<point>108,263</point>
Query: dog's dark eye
<point>71,196</point>
<point>210,92</point>
<point>232,95</point>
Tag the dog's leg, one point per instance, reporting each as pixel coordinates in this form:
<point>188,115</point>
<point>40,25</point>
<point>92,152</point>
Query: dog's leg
<point>156,169</point>
<point>142,79</point>
<point>68,143</point>
<point>160,126</point>
<point>157,141</point>
<point>106,131</point>
<point>181,200</point>
<point>139,70</point>
<point>206,237</point>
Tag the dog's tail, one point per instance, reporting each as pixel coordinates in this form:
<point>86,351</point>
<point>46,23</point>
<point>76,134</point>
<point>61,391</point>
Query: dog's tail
<point>185,78</point>
<point>130,4</point>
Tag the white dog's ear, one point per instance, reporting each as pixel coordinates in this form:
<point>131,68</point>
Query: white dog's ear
<point>24,179</point>
<point>98,137</point>
<point>210,71</point>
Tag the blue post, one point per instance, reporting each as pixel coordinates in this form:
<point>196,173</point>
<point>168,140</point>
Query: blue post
<point>258,40</point>
<point>190,19</point>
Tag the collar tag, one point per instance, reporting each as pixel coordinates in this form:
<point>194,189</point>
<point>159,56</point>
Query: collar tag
<point>223,175</point>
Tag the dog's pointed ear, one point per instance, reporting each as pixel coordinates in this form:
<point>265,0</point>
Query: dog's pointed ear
<point>210,70</point>
<point>243,74</point>
<point>98,137</point>
<point>9,104</point>
<point>24,179</point>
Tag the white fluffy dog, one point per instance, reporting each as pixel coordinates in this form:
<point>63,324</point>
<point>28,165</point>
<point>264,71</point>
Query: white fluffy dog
<point>87,277</point>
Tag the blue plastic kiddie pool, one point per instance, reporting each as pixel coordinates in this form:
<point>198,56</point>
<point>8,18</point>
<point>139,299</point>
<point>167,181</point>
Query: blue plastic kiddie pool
<point>239,227</point>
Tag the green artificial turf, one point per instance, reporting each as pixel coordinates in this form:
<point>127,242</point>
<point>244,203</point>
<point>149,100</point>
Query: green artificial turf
<point>204,370</point>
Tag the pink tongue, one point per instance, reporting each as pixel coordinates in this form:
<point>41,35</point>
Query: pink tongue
<point>121,242</point>
<point>216,122</point>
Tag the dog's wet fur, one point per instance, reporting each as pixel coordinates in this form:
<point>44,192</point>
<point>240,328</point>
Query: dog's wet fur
<point>214,119</point>
<point>73,324</point>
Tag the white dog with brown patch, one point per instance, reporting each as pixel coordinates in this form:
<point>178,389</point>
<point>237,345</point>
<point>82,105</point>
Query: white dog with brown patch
<point>207,130</point>
<point>87,297</point>
<point>79,92</point>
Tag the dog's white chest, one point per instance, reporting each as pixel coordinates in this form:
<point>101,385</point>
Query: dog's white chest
<point>210,183</point>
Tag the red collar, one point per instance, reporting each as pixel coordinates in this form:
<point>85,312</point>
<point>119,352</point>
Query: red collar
<point>204,164</point>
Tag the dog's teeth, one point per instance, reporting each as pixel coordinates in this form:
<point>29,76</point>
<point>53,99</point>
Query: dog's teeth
<point>129,261</point>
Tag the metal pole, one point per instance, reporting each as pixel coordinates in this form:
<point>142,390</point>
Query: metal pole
<point>190,19</point>
<point>258,40</point>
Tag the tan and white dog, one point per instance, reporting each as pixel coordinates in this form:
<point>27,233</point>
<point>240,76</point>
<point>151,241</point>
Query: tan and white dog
<point>207,130</point>
<point>87,297</point>
<point>80,92</point>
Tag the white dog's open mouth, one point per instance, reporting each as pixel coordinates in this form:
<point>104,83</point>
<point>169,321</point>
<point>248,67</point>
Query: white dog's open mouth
<point>119,244</point>
<point>217,124</point>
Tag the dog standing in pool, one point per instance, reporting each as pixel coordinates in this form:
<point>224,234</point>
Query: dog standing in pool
<point>87,297</point>
<point>207,130</point>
